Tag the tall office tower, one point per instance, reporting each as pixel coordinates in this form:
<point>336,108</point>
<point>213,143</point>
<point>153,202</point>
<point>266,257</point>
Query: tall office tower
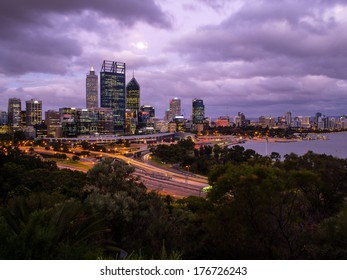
<point>92,89</point>
<point>133,98</point>
<point>52,121</point>
<point>112,91</point>
<point>288,117</point>
<point>14,113</point>
<point>33,112</point>
<point>175,106</point>
<point>198,111</point>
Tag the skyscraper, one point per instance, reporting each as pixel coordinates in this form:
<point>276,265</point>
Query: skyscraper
<point>175,106</point>
<point>14,113</point>
<point>92,89</point>
<point>133,98</point>
<point>198,111</point>
<point>33,112</point>
<point>288,117</point>
<point>112,91</point>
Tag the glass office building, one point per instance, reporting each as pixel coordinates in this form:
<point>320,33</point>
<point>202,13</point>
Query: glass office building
<point>112,92</point>
<point>198,111</point>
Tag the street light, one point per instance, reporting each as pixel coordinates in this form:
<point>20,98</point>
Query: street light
<point>188,166</point>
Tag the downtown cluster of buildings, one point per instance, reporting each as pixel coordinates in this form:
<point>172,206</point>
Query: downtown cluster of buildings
<point>120,113</point>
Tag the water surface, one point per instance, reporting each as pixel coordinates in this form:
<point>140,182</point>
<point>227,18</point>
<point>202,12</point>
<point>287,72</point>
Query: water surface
<point>335,146</point>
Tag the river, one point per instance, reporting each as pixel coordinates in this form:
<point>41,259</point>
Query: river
<point>336,145</point>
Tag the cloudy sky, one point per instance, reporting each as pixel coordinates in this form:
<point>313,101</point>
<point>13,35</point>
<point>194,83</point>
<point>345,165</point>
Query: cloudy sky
<point>260,57</point>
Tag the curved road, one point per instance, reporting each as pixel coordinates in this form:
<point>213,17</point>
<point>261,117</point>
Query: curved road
<point>154,178</point>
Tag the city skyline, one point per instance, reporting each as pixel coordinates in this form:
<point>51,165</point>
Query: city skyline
<point>257,57</point>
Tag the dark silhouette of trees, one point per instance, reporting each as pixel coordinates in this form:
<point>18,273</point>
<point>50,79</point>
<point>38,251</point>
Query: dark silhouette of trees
<point>258,208</point>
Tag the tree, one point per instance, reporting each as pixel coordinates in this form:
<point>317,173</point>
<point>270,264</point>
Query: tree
<point>110,175</point>
<point>263,204</point>
<point>65,231</point>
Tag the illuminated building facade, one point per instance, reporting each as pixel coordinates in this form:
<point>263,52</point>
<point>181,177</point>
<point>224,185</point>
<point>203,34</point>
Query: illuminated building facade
<point>68,123</point>
<point>175,107</point>
<point>146,115</point>
<point>133,98</point>
<point>52,121</point>
<point>223,121</point>
<point>14,113</point>
<point>92,89</point>
<point>112,92</point>
<point>33,112</point>
<point>76,122</point>
<point>198,111</point>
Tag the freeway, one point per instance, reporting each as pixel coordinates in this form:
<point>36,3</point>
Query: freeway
<point>191,185</point>
<point>154,178</point>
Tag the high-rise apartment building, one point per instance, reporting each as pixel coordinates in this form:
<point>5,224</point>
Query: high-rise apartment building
<point>33,112</point>
<point>133,98</point>
<point>175,106</point>
<point>198,111</point>
<point>112,91</point>
<point>92,89</point>
<point>14,113</point>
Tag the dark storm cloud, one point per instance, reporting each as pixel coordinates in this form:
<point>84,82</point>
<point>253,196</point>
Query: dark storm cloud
<point>127,12</point>
<point>299,34</point>
<point>41,36</point>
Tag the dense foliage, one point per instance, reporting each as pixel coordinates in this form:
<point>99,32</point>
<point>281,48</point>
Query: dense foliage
<point>258,208</point>
<point>200,160</point>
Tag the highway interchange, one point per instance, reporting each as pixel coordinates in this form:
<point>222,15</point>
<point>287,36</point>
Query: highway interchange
<point>156,178</point>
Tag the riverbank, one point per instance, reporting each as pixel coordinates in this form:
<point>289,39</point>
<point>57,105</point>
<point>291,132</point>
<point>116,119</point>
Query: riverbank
<point>335,146</point>
<point>272,140</point>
